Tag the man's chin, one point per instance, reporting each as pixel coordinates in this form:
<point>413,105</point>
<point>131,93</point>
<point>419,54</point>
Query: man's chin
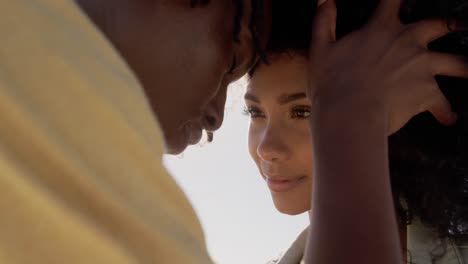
<point>174,150</point>
<point>175,146</point>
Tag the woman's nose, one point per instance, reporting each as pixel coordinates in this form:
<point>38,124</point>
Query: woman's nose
<point>273,145</point>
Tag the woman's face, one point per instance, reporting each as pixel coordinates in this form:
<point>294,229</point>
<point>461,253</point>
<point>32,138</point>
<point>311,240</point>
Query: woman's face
<point>279,133</point>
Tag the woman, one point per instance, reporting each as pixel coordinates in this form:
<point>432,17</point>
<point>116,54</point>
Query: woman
<point>427,160</point>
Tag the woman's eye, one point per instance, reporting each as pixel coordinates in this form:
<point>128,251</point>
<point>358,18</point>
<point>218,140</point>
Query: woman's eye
<point>300,112</point>
<point>253,112</point>
<point>233,65</point>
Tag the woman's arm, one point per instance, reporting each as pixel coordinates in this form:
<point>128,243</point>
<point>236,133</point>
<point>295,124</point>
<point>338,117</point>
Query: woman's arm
<point>353,219</point>
<point>365,87</point>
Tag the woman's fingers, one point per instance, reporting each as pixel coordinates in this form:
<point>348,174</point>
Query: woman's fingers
<point>388,12</point>
<point>324,28</point>
<point>448,65</point>
<point>426,31</point>
<point>440,107</point>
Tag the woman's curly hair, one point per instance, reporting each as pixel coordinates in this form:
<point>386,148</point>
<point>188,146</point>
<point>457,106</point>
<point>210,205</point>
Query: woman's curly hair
<point>428,161</point>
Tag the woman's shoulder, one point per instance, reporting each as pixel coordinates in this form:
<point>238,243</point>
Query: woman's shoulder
<point>462,247</point>
<point>294,254</point>
<point>425,246</point>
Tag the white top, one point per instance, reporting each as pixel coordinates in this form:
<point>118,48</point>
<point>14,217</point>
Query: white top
<point>423,245</point>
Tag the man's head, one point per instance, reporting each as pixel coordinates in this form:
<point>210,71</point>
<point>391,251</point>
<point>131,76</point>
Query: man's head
<point>185,53</point>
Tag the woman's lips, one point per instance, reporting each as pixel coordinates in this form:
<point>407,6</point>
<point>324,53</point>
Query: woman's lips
<point>283,185</point>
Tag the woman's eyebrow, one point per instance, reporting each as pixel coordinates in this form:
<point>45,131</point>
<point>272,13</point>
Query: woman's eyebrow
<point>287,98</point>
<point>282,99</point>
<point>251,97</point>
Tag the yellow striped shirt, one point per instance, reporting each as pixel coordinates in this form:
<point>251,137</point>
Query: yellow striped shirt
<point>81,176</point>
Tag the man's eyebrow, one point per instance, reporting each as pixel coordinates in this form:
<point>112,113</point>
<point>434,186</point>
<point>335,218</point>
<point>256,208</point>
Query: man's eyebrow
<point>257,29</point>
<point>287,98</point>
<point>251,97</point>
<point>239,5</point>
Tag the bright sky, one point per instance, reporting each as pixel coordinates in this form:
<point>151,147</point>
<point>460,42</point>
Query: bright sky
<point>232,201</point>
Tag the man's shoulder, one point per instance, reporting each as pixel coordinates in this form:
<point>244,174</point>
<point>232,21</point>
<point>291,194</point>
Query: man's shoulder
<point>79,141</point>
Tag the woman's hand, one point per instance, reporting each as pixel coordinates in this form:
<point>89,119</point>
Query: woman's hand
<point>364,87</point>
<point>383,69</point>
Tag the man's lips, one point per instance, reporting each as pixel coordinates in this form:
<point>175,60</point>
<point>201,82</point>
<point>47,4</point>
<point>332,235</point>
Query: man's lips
<point>277,184</point>
<point>194,133</point>
<point>195,137</point>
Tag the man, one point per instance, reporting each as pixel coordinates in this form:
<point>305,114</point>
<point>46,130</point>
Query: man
<point>80,150</point>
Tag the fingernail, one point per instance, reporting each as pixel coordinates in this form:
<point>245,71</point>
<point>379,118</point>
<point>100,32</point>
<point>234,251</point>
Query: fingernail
<point>453,118</point>
<point>321,2</point>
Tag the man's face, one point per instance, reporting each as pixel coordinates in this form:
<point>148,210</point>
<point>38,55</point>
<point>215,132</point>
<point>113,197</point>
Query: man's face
<point>185,58</point>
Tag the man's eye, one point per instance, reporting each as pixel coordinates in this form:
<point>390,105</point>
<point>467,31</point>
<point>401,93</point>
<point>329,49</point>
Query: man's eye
<point>233,65</point>
<point>253,112</point>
